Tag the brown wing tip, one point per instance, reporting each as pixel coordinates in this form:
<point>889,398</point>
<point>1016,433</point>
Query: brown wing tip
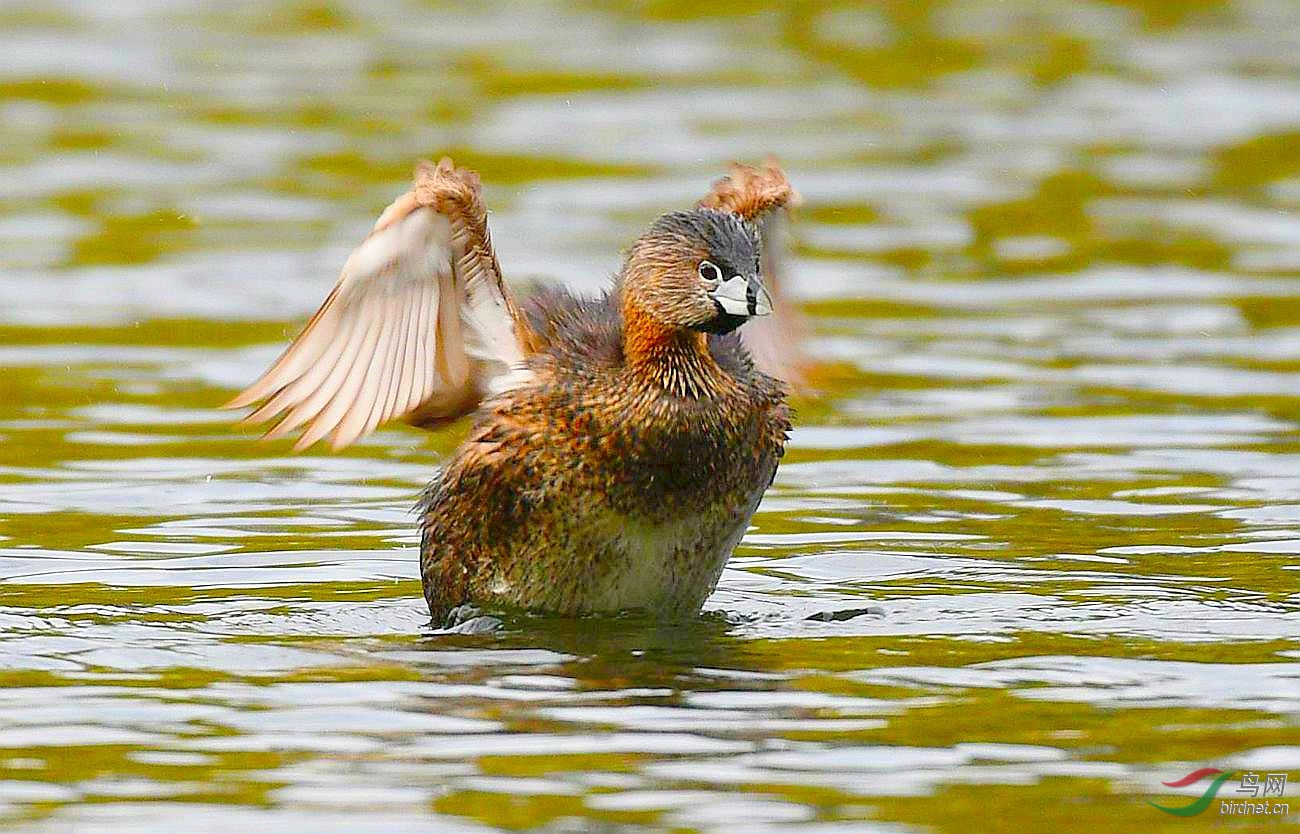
<point>445,186</point>
<point>752,192</point>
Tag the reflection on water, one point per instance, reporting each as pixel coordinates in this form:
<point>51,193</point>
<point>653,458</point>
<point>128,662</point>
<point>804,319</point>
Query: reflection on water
<point>1033,555</point>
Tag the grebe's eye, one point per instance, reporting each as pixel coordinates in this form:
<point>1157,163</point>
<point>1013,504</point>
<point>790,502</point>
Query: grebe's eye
<point>710,273</point>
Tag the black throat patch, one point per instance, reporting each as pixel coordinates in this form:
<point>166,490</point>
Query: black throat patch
<point>723,322</point>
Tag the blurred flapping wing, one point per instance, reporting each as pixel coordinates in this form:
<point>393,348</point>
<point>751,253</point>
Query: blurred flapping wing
<point>764,196</point>
<point>419,326</point>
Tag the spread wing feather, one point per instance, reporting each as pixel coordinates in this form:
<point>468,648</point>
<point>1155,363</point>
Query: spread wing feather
<point>420,325</point>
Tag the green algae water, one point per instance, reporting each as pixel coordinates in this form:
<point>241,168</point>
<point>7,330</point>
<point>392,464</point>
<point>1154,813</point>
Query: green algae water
<point>1032,553</point>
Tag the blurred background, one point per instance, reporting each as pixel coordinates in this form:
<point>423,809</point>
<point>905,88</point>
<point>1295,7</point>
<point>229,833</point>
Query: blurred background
<point>1033,553</point>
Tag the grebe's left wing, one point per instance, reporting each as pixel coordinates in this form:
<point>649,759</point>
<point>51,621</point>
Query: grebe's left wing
<point>420,326</point>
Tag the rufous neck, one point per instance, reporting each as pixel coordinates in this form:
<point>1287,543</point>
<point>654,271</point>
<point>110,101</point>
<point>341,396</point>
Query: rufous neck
<point>673,358</point>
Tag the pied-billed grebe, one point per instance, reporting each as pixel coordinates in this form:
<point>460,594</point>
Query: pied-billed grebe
<point>621,444</point>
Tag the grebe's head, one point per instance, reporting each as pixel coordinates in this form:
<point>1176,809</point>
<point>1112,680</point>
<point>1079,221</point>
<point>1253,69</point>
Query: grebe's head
<point>697,270</point>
